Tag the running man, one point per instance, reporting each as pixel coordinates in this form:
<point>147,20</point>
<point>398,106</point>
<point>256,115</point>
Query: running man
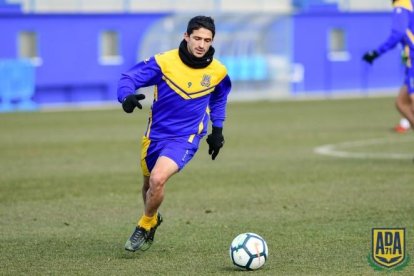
<point>402,33</point>
<point>190,89</point>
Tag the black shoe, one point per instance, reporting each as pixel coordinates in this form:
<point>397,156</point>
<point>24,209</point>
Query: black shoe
<point>151,234</point>
<point>137,239</point>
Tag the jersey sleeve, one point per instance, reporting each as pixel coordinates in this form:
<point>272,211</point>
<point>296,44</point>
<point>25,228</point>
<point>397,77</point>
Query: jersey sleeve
<point>400,23</point>
<point>143,74</point>
<point>218,101</point>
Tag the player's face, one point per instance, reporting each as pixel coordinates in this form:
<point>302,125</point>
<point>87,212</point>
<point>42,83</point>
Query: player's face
<point>199,42</point>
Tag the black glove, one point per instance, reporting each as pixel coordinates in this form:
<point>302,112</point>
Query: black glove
<point>215,141</point>
<point>132,101</point>
<point>370,56</point>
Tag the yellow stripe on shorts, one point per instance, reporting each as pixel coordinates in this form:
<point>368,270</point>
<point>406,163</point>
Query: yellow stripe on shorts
<point>144,149</point>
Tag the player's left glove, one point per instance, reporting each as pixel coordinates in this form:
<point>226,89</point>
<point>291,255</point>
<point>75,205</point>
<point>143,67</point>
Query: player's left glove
<point>370,56</point>
<point>215,141</point>
<point>132,101</point>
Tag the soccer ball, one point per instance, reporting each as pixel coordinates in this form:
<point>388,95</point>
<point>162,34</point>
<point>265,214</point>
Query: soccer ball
<point>248,251</point>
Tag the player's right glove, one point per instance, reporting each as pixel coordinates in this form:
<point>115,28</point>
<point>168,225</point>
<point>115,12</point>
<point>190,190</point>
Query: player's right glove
<point>215,141</point>
<point>370,56</point>
<point>132,101</point>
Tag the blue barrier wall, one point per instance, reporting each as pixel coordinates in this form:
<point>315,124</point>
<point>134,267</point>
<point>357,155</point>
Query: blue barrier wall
<point>326,72</point>
<point>6,7</point>
<point>70,69</point>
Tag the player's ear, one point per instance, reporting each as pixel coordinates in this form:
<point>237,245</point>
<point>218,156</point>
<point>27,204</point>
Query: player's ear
<point>186,37</point>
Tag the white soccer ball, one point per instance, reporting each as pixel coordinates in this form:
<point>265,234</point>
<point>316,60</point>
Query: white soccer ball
<point>249,251</point>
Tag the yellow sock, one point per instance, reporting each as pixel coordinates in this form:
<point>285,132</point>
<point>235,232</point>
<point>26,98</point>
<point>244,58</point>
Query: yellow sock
<point>148,222</point>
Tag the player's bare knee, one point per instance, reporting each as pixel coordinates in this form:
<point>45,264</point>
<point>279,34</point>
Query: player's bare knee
<point>157,181</point>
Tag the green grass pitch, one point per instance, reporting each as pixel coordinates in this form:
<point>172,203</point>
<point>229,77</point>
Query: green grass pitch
<point>70,191</point>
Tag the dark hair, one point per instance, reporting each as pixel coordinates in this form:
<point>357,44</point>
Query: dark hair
<point>201,21</point>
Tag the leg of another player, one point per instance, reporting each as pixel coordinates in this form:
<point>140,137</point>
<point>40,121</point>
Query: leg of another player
<point>404,125</point>
<point>405,104</point>
<point>412,109</point>
<point>164,168</point>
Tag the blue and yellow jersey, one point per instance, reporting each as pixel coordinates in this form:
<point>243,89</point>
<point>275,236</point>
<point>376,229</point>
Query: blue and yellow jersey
<point>402,31</point>
<point>185,99</point>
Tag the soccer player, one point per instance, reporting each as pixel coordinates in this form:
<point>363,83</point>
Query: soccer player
<point>190,88</point>
<point>402,33</point>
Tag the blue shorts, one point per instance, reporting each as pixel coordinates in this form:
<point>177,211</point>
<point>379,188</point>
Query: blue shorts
<point>409,80</point>
<point>181,151</point>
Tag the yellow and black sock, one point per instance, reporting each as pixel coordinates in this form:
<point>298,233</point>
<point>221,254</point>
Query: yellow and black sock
<point>148,222</point>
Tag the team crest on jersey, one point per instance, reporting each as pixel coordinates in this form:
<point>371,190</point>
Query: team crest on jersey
<point>206,80</point>
<point>388,247</point>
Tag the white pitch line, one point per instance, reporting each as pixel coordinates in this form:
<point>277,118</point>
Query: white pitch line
<point>339,150</point>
